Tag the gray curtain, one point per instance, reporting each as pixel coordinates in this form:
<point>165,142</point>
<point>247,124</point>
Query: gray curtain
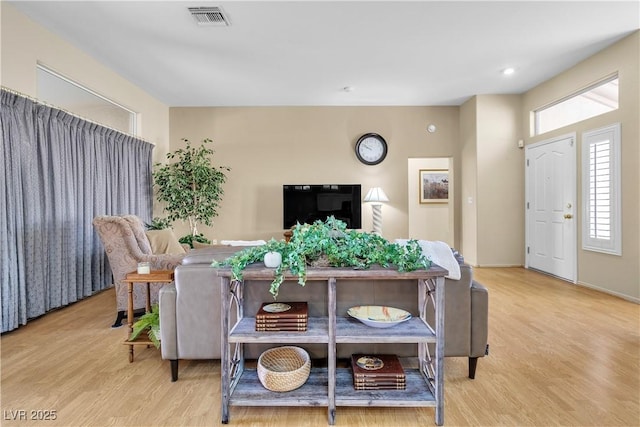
<point>57,172</point>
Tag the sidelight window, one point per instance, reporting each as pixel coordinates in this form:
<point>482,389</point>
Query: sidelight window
<point>601,228</point>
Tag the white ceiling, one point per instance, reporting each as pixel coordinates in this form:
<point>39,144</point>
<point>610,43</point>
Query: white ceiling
<point>299,53</point>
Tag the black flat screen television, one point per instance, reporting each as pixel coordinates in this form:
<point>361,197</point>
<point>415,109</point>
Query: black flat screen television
<point>308,203</point>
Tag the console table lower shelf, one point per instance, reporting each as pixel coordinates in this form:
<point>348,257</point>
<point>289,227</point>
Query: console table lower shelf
<point>250,392</point>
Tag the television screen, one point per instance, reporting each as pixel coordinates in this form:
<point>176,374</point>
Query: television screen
<point>308,203</point>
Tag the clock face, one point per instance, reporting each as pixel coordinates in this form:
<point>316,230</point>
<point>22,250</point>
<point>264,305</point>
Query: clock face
<point>371,149</point>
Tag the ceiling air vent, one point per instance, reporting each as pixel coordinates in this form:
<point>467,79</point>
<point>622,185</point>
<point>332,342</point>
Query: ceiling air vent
<point>211,16</point>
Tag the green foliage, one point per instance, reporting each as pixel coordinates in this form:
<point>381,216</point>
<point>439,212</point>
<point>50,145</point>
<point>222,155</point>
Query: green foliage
<point>158,223</point>
<point>151,322</point>
<point>190,186</point>
<point>328,243</point>
<point>190,238</point>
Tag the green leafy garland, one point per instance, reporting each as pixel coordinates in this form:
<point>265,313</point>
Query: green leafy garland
<point>328,243</point>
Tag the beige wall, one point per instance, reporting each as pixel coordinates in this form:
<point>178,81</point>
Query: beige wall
<point>500,185</point>
<point>618,275</point>
<point>492,201</point>
<point>25,44</point>
<point>469,180</point>
<point>267,147</point>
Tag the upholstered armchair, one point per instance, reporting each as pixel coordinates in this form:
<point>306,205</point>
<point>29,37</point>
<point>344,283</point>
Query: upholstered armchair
<point>126,244</point>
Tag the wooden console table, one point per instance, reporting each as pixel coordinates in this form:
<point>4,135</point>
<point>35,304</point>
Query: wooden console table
<point>332,386</point>
<point>155,276</point>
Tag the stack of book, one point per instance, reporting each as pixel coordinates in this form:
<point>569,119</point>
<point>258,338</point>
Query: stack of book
<point>282,316</point>
<point>377,372</point>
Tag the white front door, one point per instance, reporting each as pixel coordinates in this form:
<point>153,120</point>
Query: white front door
<point>551,206</point>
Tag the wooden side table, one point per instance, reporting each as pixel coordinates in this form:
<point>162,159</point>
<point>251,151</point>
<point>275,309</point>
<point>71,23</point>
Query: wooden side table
<point>155,276</point>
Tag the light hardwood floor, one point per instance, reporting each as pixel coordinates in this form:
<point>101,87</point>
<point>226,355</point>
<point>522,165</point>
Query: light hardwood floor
<point>559,355</point>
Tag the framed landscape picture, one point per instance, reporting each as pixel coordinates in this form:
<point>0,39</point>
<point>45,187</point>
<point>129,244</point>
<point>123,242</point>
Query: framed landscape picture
<point>434,185</point>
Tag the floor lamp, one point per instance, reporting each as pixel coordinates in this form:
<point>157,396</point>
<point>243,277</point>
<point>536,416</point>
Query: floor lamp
<point>376,196</point>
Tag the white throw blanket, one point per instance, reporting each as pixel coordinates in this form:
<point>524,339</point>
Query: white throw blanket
<point>439,253</point>
<point>243,242</point>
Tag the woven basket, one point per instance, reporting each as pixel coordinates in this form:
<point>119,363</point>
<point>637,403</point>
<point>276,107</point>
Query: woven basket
<point>284,368</point>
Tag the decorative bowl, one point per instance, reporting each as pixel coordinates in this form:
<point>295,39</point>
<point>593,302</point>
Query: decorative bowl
<point>284,368</point>
<point>276,307</point>
<point>379,316</point>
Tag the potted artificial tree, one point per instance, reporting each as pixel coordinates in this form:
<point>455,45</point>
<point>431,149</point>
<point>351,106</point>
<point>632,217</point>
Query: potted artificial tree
<point>191,187</point>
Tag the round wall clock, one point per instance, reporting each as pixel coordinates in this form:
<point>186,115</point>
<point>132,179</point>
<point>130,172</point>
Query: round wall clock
<point>371,149</point>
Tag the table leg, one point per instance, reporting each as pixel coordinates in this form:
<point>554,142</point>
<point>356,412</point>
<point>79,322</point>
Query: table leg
<point>148,307</point>
<point>331,368</point>
<point>130,317</point>
<point>440,351</point>
<point>225,374</point>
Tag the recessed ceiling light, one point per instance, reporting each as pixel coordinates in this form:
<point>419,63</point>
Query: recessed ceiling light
<point>348,88</point>
<point>508,71</point>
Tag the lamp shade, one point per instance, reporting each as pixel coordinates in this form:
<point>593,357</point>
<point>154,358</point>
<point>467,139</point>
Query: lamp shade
<point>376,194</point>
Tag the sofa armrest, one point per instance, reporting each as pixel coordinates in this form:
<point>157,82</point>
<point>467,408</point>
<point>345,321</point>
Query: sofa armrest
<point>457,314</point>
<point>197,312</point>
<point>168,325</point>
<point>479,319</point>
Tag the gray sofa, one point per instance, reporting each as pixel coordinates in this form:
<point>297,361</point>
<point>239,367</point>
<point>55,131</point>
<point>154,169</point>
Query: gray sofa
<point>190,310</point>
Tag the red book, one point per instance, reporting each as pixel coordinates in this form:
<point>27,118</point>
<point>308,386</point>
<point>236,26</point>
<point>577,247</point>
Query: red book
<point>376,366</point>
<point>268,322</point>
<point>301,328</point>
<point>380,381</point>
<point>380,387</point>
<point>283,310</point>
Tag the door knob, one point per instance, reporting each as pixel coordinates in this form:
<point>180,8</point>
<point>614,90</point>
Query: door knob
<point>568,216</point>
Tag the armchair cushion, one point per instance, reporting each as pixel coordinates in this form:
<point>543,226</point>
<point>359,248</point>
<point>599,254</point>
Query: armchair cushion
<point>164,242</point>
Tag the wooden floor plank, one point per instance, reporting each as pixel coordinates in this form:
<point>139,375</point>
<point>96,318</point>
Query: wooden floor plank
<point>560,354</point>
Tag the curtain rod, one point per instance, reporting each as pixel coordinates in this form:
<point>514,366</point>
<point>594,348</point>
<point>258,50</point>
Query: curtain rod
<point>46,104</point>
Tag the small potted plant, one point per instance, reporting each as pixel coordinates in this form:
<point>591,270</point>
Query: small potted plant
<point>148,322</point>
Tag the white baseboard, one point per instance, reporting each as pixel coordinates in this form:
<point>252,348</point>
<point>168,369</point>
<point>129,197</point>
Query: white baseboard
<point>583,284</point>
<point>609,291</point>
<point>499,265</point>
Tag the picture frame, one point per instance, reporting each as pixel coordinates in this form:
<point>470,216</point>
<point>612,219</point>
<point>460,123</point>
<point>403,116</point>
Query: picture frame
<point>434,185</point>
